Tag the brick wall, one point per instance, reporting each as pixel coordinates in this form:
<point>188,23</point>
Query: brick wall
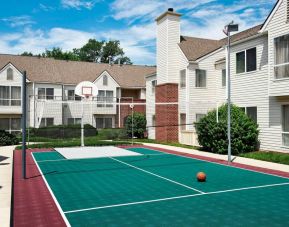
<point>125,110</point>
<point>167,115</point>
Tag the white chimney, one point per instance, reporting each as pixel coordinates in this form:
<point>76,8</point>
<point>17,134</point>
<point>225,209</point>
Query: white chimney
<point>168,37</point>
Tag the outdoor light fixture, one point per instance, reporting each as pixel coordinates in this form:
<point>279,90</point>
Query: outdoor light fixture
<point>231,27</point>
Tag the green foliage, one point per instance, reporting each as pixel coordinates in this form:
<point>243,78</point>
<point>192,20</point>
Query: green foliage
<point>269,156</point>
<point>62,131</point>
<point>75,143</point>
<point>57,53</point>
<point>7,139</point>
<point>136,124</point>
<point>25,53</point>
<point>92,51</point>
<point>212,136</point>
<point>112,134</point>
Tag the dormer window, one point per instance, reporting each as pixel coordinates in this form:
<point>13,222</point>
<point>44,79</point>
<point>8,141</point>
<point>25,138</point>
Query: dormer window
<point>104,82</point>
<point>9,74</point>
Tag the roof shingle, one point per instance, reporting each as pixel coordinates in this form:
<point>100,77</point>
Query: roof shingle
<point>73,72</point>
<point>195,48</point>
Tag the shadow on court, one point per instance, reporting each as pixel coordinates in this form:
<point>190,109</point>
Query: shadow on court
<point>40,175</point>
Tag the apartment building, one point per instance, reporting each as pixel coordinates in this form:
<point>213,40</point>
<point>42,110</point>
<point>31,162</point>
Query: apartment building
<point>191,74</point>
<point>50,90</point>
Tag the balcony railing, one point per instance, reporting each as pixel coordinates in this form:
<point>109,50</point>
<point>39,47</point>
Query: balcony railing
<point>10,102</point>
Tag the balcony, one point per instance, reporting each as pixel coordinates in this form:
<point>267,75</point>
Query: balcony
<point>10,106</point>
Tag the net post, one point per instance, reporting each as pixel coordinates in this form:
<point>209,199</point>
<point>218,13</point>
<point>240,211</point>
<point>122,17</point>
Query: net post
<point>23,121</point>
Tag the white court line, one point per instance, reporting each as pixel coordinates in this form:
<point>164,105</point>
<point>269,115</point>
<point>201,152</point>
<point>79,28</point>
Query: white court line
<point>236,167</point>
<point>174,198</point>
<point>51,193</point>
<point>71,159</point>
<point>156,175</point>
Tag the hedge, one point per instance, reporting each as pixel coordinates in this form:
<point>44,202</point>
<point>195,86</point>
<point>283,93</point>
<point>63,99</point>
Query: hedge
<point>212,135</point>
<point>7,139</point>
<point>62,131</point>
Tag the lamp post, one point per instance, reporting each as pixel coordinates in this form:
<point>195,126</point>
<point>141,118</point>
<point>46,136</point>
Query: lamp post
<point>231,27</point>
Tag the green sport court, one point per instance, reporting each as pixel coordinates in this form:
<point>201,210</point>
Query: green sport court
<point>155,188</point>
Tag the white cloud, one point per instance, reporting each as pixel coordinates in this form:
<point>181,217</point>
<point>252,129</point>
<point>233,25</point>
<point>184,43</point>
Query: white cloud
<point>46,7</point>
<point>17,21</point>
<point>150,9</point>
<point>77,4</point>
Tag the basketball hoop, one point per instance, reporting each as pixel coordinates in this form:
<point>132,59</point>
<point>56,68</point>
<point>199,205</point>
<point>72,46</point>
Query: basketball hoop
<point>86,89</point>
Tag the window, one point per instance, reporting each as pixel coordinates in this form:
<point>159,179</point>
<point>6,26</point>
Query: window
<point>154,84</point>
<point>46,122</point>
<point>199,117</point>
<point>201,78</point>
<point>46,93</point>
<point>183,78</point>
<point>103,122</point>
<point>104,80</point>
<point>10,96</point>
<point>10,125</point>
<point>73,121</point>
<point>72,96</point>
<point>183,121</point>
<point>246,61</point>
<point>281,69</point>
<point>9,74</point>
<point>154,120</point>
<point>104,97</point>
<point>285,125</point>
<point>49,93</point>
<point>224,78</point>
<point>15,96</point>
<point>251,112</point>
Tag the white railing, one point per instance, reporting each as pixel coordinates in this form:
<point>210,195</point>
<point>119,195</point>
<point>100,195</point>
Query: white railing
<point>189,138</point>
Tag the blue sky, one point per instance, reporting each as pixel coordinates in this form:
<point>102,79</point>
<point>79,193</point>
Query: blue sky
<point>38,25</point>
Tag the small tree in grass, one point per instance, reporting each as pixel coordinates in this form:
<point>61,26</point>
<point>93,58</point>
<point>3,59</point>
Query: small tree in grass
<point>137,123</point>
<point>212,136</point>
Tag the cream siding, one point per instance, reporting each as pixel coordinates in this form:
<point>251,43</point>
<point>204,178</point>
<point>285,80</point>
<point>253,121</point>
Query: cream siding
<point>150,106</point>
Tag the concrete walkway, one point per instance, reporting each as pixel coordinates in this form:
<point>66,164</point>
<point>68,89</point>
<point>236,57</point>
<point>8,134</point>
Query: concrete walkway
<point>6,165</point>
<point>241,160</point>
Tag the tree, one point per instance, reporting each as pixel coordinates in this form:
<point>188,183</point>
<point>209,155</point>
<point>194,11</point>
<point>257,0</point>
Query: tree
<point>57,53</point>
<point>212,135</point>
<point>136,124</point>
<point>27,54</point>
<point>91,51</point>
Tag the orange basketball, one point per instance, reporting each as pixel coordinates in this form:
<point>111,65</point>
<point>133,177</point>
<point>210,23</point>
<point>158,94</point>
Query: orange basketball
<point>201,176</point>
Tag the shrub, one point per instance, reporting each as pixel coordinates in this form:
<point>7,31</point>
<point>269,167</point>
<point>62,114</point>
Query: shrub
<point>112,133</point>
<point>7,139</point>
<point>139,125</point>
<point>212,136</point>
<point>62,131</point>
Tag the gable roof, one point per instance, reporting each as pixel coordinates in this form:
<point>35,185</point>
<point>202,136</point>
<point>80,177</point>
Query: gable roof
<point>72,72</point>
<point>277,4</point>
<point>195,48</point>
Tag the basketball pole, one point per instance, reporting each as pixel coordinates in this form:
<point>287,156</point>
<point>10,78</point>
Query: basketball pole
<point>23,121</point>
<point>231,27</point>
<point>82,124</point>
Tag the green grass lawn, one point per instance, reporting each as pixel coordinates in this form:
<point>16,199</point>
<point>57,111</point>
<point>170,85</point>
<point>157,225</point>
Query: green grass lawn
<point>269,156</point>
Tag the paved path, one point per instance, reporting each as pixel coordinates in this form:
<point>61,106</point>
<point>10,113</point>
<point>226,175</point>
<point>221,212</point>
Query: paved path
<point>241,160</point>
<point>6,164</point>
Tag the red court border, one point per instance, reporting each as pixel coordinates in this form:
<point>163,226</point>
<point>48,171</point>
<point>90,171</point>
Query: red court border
<point>214,160</point>
<point>33,204</point>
